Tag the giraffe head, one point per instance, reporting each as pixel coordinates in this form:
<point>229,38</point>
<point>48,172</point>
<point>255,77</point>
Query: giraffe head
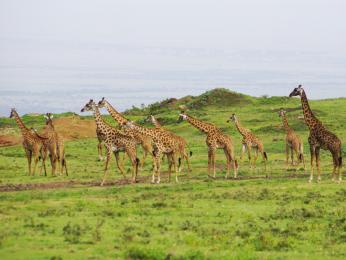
<point>102,103</point>
<point>13,113</point>
<point>150,118</point>
<point>232,118</point>
<point>282,112</point>
<point>297,91</point>
<point>89,106</point>
<point>182,116</point>
<point>128,124</point>
<point>48,117</point>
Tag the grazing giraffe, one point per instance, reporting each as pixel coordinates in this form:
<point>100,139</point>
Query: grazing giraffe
<point>319,138</point>
<point>293,141</point>
<point>141,139</point>
<point>180,140</point>
<point>50,132</point>
<point>215,140</point>
<point>115,141</point>
<point>32,143</point>
<point>164,143</point>
<point>249,141</point>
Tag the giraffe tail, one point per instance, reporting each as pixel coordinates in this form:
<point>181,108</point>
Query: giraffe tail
<point>191,153</point>
<point>265,156</point>
<point>137,166</point>
<point>179,162</point>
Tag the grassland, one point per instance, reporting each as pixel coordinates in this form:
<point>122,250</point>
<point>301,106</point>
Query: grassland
<point>282,217</point>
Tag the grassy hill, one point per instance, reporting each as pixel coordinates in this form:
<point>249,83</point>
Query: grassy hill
<point>282,217</point>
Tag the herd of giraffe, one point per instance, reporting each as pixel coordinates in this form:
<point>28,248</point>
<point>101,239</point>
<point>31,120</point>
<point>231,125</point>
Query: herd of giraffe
<point>159,142</point>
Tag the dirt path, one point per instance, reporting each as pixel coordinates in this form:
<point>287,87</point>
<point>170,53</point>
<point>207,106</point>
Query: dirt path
<point>146,179</point>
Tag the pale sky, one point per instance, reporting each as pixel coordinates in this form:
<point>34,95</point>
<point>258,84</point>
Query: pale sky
<point>142,51</point>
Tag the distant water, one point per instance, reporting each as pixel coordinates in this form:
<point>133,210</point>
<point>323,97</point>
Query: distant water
<point>126,76</point>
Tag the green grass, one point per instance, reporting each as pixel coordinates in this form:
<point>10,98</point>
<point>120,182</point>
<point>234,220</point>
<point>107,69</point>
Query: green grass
<point>283,217</point>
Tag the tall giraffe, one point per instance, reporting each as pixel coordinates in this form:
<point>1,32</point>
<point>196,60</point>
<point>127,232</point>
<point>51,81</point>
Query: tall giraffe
<point>215,140</point>
<point>50,132</point>
<point>164,143</point>
<point>319,138</point>
<point>141,139</point>
<point>180,140</point>
<point>32,143</point>
<point>249,141</point>
<point>293,141</point>
<point>115,141</point>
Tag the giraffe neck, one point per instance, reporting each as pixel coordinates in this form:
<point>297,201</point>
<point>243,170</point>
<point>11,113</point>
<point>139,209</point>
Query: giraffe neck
<point>155,122</point>
<point>285,123</point>
<point>145,131</point>
<point>100,124</point>
<point>202,126</point>
<point>309,117</point>
<point>115,114</point>
<point>240,129</point>
<point>21,125</point>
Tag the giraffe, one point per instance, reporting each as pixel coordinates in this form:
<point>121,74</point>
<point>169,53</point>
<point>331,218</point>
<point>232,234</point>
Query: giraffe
<point>249,141</point>
<point>164,143</point>
<point>293,141</point>
<point>115,141</point>
<point>180,140</point>
<point>215,140</point>
<point>319,138</point>
<point>59,141</point>
<point>141,139</point>
<point>32,143</point>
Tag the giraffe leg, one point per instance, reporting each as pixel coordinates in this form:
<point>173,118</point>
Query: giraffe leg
<point>287,155</point>
<point>209,161</point>
<point>170,164</point>
<point>154,171</point>
<point>243,150</point>
<point>318,164</point>
<point>35,163</point>
<point>228,163</point>
<point>28,154</point>
<point>249,154</point>
<point>44,156</point>
<point>175,162</point>
<point>147,148</point>
<point>119,164</point>
<point>132,155</point>
<point>99,150</point>
<point>186,156</point>
<point>292,160</point>
<point>312,153</point>
<point>108,157</point>
<point>158,159</point>
<point>255,157</point>
<point>213,163</point>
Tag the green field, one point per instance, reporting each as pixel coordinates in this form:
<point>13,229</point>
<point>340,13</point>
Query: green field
<point>283,217</point>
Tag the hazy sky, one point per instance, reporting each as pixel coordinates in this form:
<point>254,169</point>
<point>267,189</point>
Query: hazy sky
<point>141,51</point>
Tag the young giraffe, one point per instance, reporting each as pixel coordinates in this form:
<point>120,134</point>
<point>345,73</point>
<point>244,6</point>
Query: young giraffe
<point>115,141</point>
<point>180,140</point>
<point>141,139</point>
<point>32,143</point>
<point>215,139</point>
<point>293,141</point>
<point>249,141</point>
<point>164,143</point>
<point>319,138</point>
<point>58,139</point>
